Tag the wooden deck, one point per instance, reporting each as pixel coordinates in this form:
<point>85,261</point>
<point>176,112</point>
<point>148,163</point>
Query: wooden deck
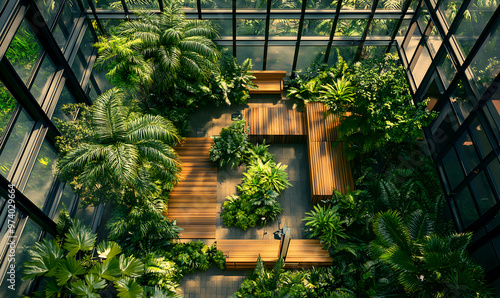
<point>193,202</point>
<point>328,166</point>
<point>243,253</point>
<point>277,124</point>
<point>306,253</point>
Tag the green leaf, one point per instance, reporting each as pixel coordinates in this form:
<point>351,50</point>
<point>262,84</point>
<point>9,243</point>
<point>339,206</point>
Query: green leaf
<point>108,249</point>
<point>52,289</point>
<point>45,257</point>
<point>68,268</point>
<point>79,237</point>
<point>109,269</point>
<point>128,288</point>
<point>131,266</point>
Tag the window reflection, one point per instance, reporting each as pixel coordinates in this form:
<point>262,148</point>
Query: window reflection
<point>442,129</point>
<point>284,27</point>
<point>463,101</point>
<point>66,201</point>
<point>42,81</point>
<point>447,69</point>
<point>310,54</point>
<point>483,192</point>
<point>279,58</point>
<point>287,4</point>
<point>466,207</point>
<point>256,53</point>
<point>467,152</point>
<point>8,105</point>
<point>48,9</point>
<point>249,27</point>
<point>65,98</point>
<point>452,168</point>
<point>480,136</point>
<point>382,27</point>
<point>449,8</point>
<point>350,27</point>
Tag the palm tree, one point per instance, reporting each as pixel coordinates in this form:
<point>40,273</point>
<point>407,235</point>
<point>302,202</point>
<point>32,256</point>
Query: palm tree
<point>127,153</point>
<point>173,47</point>
<point>427,264</point>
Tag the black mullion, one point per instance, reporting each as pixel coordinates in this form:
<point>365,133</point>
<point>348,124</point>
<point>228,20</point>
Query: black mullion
<point>15,18</point>
<point>459,17</point>
<point>406,6</point>
<point>332,33</point>
<point>233,8</point>
<point>99,25</point>
<point>125,7</point>
<point>412,27</point>
<point>365,33</point>
<point>10,125</point>
<point>299,36</point>
<point>266,34</point>
<point>198,6</point>
<point>160,5</point>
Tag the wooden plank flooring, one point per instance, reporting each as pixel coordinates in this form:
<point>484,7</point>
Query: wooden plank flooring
<point>193,201</point>
<point>306,253</point>
<point>243,253</point>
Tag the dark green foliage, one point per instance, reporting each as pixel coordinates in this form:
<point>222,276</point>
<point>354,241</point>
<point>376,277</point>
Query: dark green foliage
<point>69,268</point>
<point>230,146</point>
<point>325,224</point>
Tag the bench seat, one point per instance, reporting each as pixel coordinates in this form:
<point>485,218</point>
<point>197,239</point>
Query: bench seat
<point>268,82</point>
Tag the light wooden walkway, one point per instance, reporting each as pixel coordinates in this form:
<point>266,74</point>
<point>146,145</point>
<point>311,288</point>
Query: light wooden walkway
<point>278,124</point>
<point>306,253</point>
<point>193,202</point>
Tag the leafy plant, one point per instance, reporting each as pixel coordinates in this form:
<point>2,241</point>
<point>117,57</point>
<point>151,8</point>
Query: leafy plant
<point>230,146</point>
<point>267,176</point>
<point>325,224</point>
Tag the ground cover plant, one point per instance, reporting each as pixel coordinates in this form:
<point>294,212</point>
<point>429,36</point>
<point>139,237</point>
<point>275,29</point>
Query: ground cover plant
<point>230,146</point>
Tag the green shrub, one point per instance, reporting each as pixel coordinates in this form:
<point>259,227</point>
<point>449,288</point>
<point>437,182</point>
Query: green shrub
<point>267,176</point>
<point>326,224</point>
<point>230,146</point>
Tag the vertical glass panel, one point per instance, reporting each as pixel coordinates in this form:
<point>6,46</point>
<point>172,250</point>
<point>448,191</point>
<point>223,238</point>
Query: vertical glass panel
<point>472,24</point>
<point>434,41</point>
<point>251,4</point>
<point>390,4</point>
<point>86,215</point>
<point>433,93</point>
<point>423,19</point>
<point>100,78</point>
<point>480,137</point>
<point>29,237</point>
<point>466,207</point>
<point>108,5</point>
<point>69,16</point>
<point>67,199</point>
<point>357,4</point>
<point>15,141</point>
<point>61,34</point>
<point>65,98</point>
<point>421,66</point>
<point>284,27</point>
<point>225,27</point>
<point>449,8</point>
<point>382,27</point>
<point>41,178</point>
<point>42,79</point>
<point>92,92</point>
<point>483,192</point>
<point>322,4</point>
<point>287,4</point>
<point>486,64</point>
<point>142,4</point>
<point>280,58</point>
<point>317,27</point>
<point>447,69</point>
<point>370,52</point>
<point>24,51</point>
<point>402,31</point>
<point>444,127</point>
<point>48,9</point>
<point>350,27</point>
<point>216,4</point>
<point>413,43</point>
<point>310,54</point>
<point>467,152</point>
<point>347,53</point>
<point>86,46</point>
<point>486,256</point>
<point>7,106</point>
<point>250,27</point>
<point>494,171</point>
<point>462,100</point>
<point>453,169</point>
<point>256,53</point>
<point>79,65</point>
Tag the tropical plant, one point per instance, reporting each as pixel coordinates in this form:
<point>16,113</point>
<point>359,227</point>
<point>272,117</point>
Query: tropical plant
<point>230,146</point>
<point>326,224</point>
<point>234,81</point>
<point>427,264</point>
<point>120,151</point>
<point>266,176</point>
<point>258,152</point>
<point>71,270</point>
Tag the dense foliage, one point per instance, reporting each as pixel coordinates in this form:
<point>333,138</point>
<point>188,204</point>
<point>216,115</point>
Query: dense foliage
<point>261,186</point>
<point>230,146</point>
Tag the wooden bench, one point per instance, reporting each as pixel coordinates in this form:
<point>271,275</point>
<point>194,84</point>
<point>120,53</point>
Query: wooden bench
<point>277,124</point>
<point>306,253</point>
<point>243,253</point>
<point>268,81</point>
<point>328,166</point>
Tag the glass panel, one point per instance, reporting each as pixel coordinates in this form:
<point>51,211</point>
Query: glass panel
<point>42,81</point>
<point>70,14</point>
<point>467,152</point>
<point>350,27</point>
<point>102,82</point>
<point>444,127</point>
<point>447,69</point>
<point>251,4</point>
<point>483,192</point>
<point>434,41</point>
<point>421,66</point>
<point>29,237</point>
<point>61,34</point>
<point>79,65</point>
<point>256,53</point>
<point>284,27</point>
<point>7,106</point>
<point>67,198</point>
<point>287,4</point>
<point>322,4</point>
<point>463,101</point>
<point>15,141</point>
<point>280,58</point>
<point>216,4</point>
<point>250,27</point>
<point>472,24</point>
<point>480,137</point>
<point>412,45</point>
<point>382,27</point>
<point>357,4</point>
<point>449,8</point>
<point>48,9</point>
<point>225,27</point>
<point>109,25</point>
<point>402,32</point>
<point>466,207</point>
<point>486,256</point>
<point>24,51</point>
<point>186,4</point>
<point>85,215</point>
<point>390,4</point>
<point>486,65</point>
<point>370,52</point>
<point>86,46</point>
<point>492,112</point>
<point>108,5</point>
<point>433,93</point>
<point>65,98</point>
<point>310,54</point>
<point>453,169</point>
<point>494,171</point>
<point>142,4</point>
<point>347,53</point>
<point>317,27</point>
<point>41,178</point>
